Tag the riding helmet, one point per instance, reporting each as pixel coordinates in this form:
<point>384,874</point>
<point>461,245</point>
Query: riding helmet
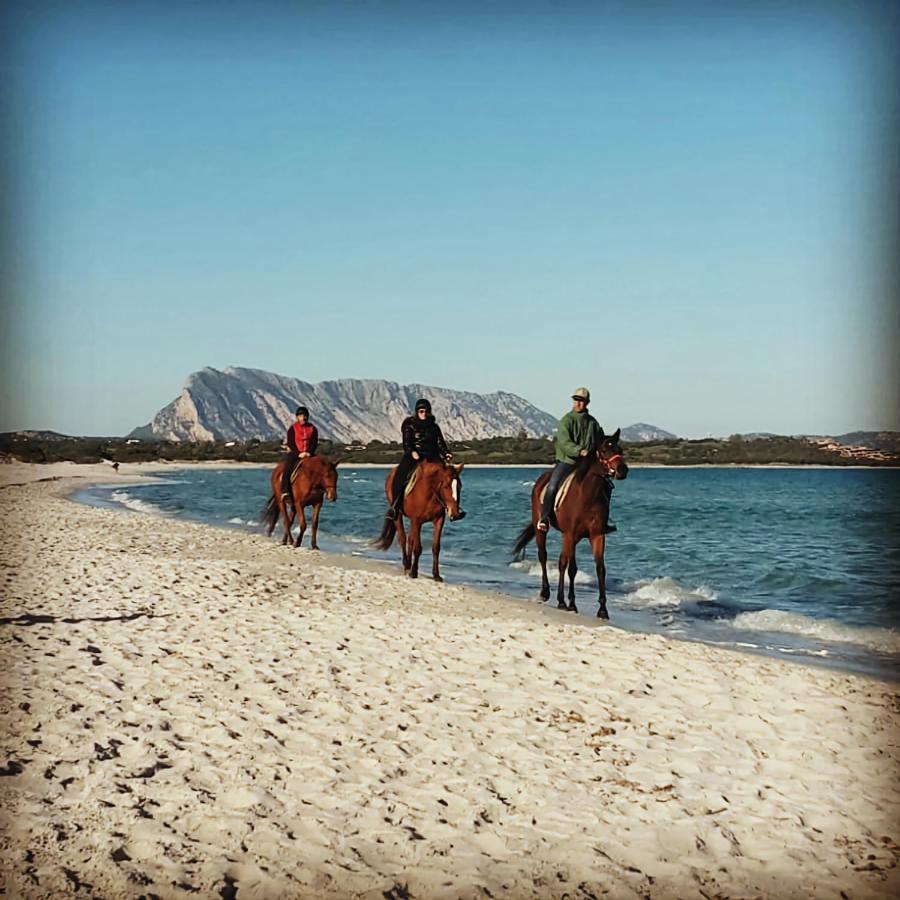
<point>423,404</point>
<point>302,411</point>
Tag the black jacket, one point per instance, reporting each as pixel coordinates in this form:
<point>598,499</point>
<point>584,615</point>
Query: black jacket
<point>425,437</point>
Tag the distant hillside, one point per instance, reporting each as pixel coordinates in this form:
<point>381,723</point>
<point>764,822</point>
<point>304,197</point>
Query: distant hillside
<point>243,404</point>
<point>888,441</point>
<point>640,432</point>
<point>33,435</point>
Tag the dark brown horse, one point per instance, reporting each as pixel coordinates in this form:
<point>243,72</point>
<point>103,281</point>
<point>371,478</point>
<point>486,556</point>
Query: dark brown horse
<point>315,482</point>
<point>582,513</point>
<point>434,496</point>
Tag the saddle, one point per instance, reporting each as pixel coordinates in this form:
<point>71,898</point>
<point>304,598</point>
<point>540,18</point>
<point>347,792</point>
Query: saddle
<point>560,494</point>
<point>412,482</point>
<point>296,471</point>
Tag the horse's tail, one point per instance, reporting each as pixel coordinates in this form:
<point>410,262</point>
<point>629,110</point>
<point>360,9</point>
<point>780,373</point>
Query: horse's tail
<point>386,538</point>
<point>270,514</point>
<point>526,536</point>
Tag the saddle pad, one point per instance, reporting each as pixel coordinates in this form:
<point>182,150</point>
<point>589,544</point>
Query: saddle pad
<point>560,494</point>
<point>412,482</point>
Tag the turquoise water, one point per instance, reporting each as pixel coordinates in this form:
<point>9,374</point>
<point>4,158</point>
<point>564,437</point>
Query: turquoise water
<point>789,562</point>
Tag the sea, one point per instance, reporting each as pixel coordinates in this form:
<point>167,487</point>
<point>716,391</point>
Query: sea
<point>799,563</point>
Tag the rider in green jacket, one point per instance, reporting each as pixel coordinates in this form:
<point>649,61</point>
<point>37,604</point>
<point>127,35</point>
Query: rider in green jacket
<point>577,434</point>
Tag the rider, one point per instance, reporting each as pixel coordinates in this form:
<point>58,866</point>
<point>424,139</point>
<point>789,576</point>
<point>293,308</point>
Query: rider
<point>577,434</point>
<point>302,440</point>
<point>422,440</point>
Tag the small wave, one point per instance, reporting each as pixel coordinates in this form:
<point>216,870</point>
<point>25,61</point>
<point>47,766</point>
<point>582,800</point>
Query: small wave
<point>528,483</point>
<point>361,481</point>
<point>533,568</point>
<point>666,591</point>
<point>133,503</point>
<point>237,520</point>
<point>883,640</point>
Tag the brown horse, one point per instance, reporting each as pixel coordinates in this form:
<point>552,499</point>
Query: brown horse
<point>434,496</point>
<point>315,482</point>
<point>583,512</point>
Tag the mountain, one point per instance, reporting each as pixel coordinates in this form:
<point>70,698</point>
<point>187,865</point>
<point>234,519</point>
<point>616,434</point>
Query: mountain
<point>250,403</point>
<point>641,432</point>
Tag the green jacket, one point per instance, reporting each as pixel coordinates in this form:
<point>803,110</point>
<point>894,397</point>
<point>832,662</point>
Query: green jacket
<point>576,432</point>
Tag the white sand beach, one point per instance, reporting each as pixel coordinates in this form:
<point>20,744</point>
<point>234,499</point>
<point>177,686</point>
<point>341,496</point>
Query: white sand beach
<point>197,712</point>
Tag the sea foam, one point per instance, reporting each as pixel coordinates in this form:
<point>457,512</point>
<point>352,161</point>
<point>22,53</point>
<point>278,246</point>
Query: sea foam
<point>883,640</point>
<point>133,503</point>
<point>661,592</point>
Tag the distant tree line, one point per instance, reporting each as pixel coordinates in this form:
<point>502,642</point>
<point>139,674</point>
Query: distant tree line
<point>520,449</point>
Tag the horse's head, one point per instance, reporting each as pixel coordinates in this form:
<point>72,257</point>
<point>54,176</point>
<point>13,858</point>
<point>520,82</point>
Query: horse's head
<point>328,477</point>
<point>611,456</point>
<point>449,489</point>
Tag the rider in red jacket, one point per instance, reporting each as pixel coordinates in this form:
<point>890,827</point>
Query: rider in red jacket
<point>302,440</point>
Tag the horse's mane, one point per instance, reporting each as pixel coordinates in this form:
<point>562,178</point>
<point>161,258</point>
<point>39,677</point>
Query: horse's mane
<point>584,466</point>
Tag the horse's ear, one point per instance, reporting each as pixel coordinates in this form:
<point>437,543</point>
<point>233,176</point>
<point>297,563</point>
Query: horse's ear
<point>459,467</point>
<point>337,462</point>
<point>602,433</point>
<point>615,437</point>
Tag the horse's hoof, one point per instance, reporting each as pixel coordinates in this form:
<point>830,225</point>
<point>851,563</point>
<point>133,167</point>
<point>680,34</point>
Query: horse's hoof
<point>572,608</point>
<point>602,613</point>
<point>561,605</point>
<point>438,578</point>
<point>412,574</point>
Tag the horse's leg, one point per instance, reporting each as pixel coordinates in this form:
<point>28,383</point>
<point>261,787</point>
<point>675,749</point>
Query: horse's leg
<point>598,546</point>
<point>540,539</point>
<point>288,512</point>
<point>415,546</point>
<point>314,528</point>
<point>301,525</point>
<point>565,554</point>
<point>403,541</point>
<point>436,548</point>
<point>573,569</point>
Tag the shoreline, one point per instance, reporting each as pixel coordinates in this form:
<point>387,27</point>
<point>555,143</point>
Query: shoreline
<point>346,553</point>
<point>17,473</point>
<point>766,646</point>
<point>196,709</point>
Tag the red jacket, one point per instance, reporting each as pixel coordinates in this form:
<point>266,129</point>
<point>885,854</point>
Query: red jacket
<point>303,438</point>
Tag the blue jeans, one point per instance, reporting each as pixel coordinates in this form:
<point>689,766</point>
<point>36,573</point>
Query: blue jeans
<point>557,476</point>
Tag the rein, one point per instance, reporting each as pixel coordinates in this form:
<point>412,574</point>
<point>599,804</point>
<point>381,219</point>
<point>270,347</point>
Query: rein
<point>611,463</point>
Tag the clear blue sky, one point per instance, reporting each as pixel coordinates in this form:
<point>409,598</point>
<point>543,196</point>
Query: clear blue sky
<point>688,208</point>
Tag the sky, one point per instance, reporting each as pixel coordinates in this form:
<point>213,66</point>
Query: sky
<point>688,208</point>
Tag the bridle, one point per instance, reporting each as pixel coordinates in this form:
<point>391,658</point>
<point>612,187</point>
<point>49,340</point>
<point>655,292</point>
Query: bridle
<point>611,462</point>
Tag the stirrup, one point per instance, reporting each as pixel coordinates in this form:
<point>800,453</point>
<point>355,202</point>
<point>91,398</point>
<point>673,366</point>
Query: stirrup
<point>610,528</point>
<point>542,525</point>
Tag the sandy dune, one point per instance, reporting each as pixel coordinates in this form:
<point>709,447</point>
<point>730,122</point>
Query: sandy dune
<point>195,712</point>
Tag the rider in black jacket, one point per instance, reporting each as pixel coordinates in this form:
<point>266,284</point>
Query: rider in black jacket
<point>422,440</point>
